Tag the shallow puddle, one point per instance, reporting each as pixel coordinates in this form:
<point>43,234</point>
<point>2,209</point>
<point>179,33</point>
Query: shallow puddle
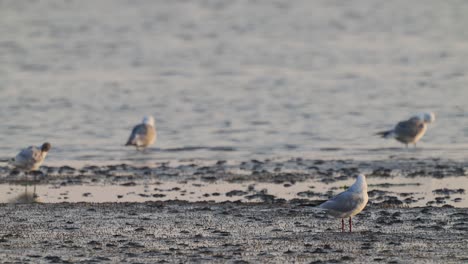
<point>418,191</point>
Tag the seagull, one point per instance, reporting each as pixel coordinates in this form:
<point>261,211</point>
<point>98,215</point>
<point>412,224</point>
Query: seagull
<point>411,130</point>
<point>31,158</point>
<point>348,203</point>
<point>143,134</point>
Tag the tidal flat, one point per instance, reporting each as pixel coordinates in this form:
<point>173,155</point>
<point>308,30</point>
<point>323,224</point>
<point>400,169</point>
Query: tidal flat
<point>392,182</point>
<point>255,211</point>
<point>232,232</point>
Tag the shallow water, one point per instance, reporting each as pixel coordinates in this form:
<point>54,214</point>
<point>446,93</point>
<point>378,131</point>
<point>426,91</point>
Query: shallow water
<point>231,79</point>
<point>419,191</point>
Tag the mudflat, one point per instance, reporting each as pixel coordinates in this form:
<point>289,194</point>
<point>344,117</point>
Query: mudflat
<point>235,232</point>
<point>393,182</point>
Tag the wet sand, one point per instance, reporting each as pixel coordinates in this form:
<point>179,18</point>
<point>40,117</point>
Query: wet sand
<point>393,182</point>
<point>251,220</point>
<point>228,80</point>
<point>172,231</point>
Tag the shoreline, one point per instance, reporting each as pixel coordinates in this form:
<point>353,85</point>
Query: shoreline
<point>404,182</point>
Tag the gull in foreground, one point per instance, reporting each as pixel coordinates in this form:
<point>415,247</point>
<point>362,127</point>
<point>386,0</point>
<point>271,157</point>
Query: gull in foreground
<point>348,203</point>
<point>411,130</point>
<point>143,134</point>
<point>31,158</point>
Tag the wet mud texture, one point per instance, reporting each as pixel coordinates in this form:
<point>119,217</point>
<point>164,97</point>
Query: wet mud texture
<point>286,172</point>
<point>276,171</point>
<point>160,232</point>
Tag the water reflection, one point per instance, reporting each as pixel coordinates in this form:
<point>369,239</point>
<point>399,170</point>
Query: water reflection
<point>28,196</point>
<point>412,192</point>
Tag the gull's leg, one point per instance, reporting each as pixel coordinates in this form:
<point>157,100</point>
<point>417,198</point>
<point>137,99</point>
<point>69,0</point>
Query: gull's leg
<point>350,224</point>
<point>26,182</point>
<point>342,225</point>
<point>34,193</point>
<point>34,182</point>
<point>406,145</point>
<point>414,144</point>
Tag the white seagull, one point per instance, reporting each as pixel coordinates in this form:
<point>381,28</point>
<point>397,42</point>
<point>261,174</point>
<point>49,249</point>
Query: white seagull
<point>31,158</point>
<point>348,203</point>
<point>143,134</point>
<point>411,130</point>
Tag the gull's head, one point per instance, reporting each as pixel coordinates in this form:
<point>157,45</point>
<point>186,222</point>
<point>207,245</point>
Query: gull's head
<point>148,120</point>
<point>46,147</point>
<point>361,178</point>
<point>360,184</point>
<point>427,117</point>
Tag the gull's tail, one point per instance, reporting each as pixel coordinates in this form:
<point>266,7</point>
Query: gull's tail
<point>386,134</point>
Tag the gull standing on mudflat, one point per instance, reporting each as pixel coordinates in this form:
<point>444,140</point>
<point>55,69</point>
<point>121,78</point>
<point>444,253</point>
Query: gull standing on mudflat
<point>31,158</point>
<point>411,130</point>
<point>143,134</point>
<point>348,203</point>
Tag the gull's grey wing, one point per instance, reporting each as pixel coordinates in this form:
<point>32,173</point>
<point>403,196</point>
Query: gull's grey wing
<point>137,131</point>
<point>141,135</point>
<point>27,157</point>
<point>409,128</point>
<point>343,203</point>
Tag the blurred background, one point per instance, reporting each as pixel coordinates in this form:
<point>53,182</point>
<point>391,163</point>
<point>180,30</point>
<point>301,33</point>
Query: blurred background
<point>231,79</point>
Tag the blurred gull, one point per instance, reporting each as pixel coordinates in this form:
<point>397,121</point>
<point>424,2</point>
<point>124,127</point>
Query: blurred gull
<point>348,203</point>
<point>411,130</point>
<point>31,158</point>
<point>143,134</point>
